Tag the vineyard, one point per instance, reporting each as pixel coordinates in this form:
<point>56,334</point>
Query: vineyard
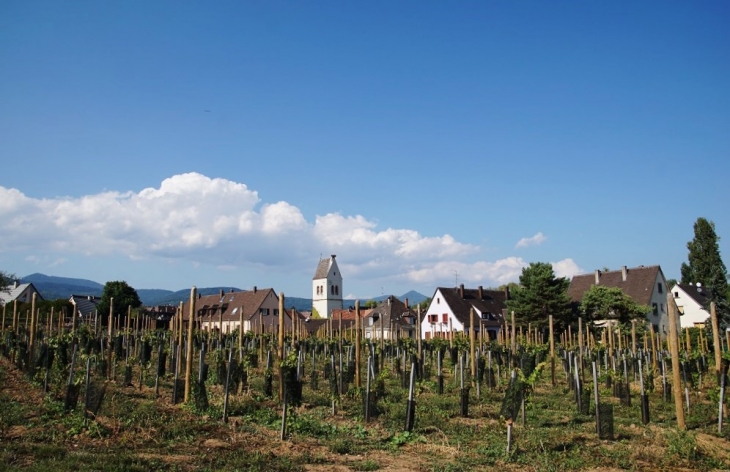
<point>133,396</point>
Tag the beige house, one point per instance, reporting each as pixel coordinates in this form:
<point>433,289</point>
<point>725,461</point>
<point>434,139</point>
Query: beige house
<point>222,311</point>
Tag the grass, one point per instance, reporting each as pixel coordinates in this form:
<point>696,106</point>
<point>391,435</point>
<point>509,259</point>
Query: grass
<point>134,430</point>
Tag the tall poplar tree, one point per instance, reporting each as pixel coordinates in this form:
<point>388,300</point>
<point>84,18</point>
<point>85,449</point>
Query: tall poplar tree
<point>705,266</point>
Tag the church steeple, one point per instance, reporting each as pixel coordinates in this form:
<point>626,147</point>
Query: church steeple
<point>326,287</point>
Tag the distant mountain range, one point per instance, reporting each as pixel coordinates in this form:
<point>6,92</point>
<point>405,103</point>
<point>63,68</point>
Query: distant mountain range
<point>52,288</point>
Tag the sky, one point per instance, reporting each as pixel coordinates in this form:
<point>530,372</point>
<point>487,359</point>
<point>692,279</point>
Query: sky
<point>426,144</point>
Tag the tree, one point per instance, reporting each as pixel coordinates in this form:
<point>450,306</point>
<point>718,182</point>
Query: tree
<point>539,295</point>
<point>124,296</point>
<point>706,267</point>
<point>371,304</point>
<point>610,303</point>
<point>6,280</point>
<point>705,264</point>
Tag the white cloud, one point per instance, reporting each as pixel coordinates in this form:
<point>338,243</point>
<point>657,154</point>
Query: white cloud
<point>223,224</point>
<point>566,268</point>
<point>536,240</point>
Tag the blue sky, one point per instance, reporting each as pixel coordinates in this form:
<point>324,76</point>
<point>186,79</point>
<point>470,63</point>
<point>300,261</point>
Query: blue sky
<point>233,143</point>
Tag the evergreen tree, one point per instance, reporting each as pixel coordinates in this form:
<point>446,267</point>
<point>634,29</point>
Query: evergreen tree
<point>539,295</point>
<point>705,265</point>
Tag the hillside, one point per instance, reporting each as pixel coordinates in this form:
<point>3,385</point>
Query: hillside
<point>52,288</point>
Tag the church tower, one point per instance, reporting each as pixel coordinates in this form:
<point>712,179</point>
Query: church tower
<point>326,287</point>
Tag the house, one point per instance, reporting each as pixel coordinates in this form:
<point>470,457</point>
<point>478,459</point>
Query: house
<point>390,319</point>
<point>19,292</point>
<point>646,285</point>
<point>327,287</point>
<point>450,310</point>
<point>222,311</point>
<point>692,302</point>
<point>85,306</point>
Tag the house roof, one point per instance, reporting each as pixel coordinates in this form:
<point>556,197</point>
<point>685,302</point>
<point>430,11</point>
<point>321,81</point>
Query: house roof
<point>229,303</point>
<point>639,283</point>
<point>698,294</point>
<point>349,313</point>
<point>85,304</point>
<point>393,311</point>
<point>323,268</point>
<point>461,300</point>
<point>12,292</point>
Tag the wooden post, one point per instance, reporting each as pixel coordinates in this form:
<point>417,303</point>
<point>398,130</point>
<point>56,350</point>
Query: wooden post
<point>281,345</point>
<point>688,343</point>
<point>451,333</point>
<point>220,322</point>
<point>633,337</point>
<point>5,306</point>
<point>110,327</point>
<point>189,349</point>
<point>716,339</point>
<point>472,345</point>
<point>580,345</point>
<point>33,322</point>
<point>609,325</point>
<point>418,334</point>
<point>15,316</point>
<point>674,351</point>
<point>552,349</point>
<point>357,344</point>
<point>240,332</point>
<point>513,338</point>
<point>653,346</point>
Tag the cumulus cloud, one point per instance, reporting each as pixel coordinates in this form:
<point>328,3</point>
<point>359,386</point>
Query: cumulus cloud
<point>536,240</point>
<point>566,268</point>
<point>225,225</point>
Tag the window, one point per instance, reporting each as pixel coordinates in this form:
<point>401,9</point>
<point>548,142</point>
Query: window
<point>676,294</point>
<point>655,309</point>
<point>264,311</point>
<point>445,318</point>
<point>661,307</point>
<point>276,312</point>
<point>659,287</point>
<point>433,318</point>
<point>438,301</point>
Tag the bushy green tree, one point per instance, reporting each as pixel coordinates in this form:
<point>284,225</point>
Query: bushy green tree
<point>610,303</point>
<point>540,294</point>
<point>124,296</point>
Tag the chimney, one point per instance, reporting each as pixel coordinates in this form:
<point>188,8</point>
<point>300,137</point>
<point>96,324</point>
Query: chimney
<point>15,284</point>
<point>598,276</point>
<point>481,292</point>
<point>199,295</point>
<point>506,292</point>
<point>255,289</point>
<point>461,291</point>
<point>624,273</point>
<point>333,256</point>
<point>231,291</point>
<point>406,303</point>
<point>222,293</point>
